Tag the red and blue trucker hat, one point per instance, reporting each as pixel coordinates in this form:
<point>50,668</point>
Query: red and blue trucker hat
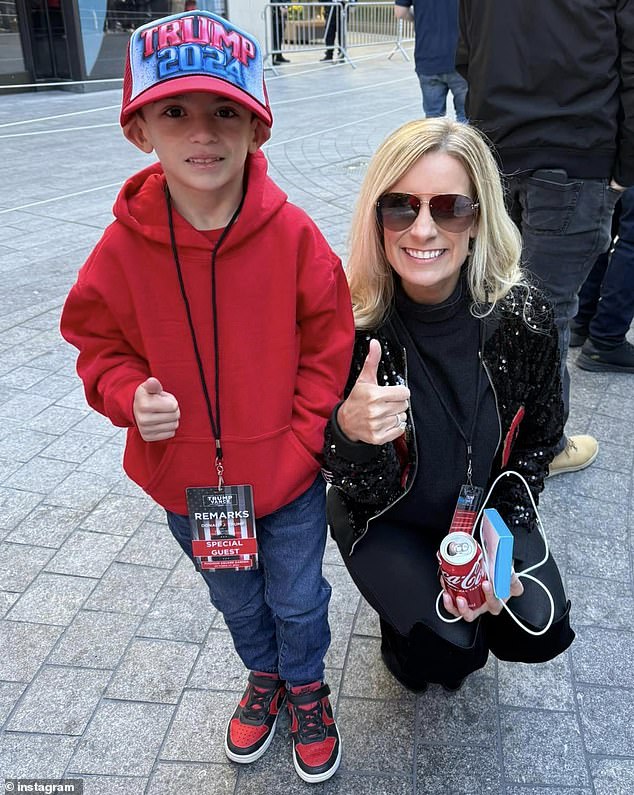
<point>194,51</point>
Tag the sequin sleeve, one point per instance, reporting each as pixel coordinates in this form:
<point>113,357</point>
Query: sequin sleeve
<point>367,474</point>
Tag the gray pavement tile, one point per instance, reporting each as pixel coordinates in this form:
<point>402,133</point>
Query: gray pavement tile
<point>80,490</point>
<point>341,620</point>
<point>24,407</point>
<point>122,739</point>
<point>35,756</point>
<point>57,387</point>
<point>107,461</point>
<point>153,670</point>
<point>179,779</point>
<point>59,701</point>
<point>74,398</point>
<point>26,647</point>
<point>366,676</point>
<point>274,773</point>
<point>518,683</point>
<point>10,692</point>
<point>95,640</point>
<point>7,469</point>
<point>52,599</point>
<point>7,599</point>
<point>47,525</point>
<point>56,419</point>
<point>450,717</point>
<point>542,748</point>
<point>599,557</point>
<point>198,729</point>
<point>586,517</point>
<point>548,791</point>
<point>458,770</point>
<point>23,377</point>
<point>602,484</point>
<point>606,718</point>
<point>114,785</point>
<point>218,667</point>
<point>179,614</point>
<point>15,505</point>
<point>367,621</point>
<point>117,514</point>
<point>612,776</point>
<point>603,657</point>
<point>153,545</point>
<point>86,554</point>
<point>40,475</point>
<point>365,727</point>
<point>186,576</point>
<point>22,444</point>
<point>96,423</point>
<point>617,457</point>
<point>600,603</point>
<point>20,565</point>
<point>610,429</point>
<point>127,589</point>
<point>74,446</point>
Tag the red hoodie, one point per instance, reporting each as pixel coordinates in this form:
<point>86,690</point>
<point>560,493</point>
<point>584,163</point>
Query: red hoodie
<point>285,339</point>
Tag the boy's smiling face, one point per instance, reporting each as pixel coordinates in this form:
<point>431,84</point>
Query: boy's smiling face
<point>202,141</point>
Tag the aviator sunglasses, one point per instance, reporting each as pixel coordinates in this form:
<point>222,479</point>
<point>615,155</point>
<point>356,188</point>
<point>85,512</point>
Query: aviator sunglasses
<point>449,211</point>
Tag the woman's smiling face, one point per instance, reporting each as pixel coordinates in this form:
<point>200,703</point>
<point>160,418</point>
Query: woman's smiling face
<point>426,257</point>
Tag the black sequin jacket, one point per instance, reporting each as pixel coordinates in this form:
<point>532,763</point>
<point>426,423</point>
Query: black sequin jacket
<point>521,359</point>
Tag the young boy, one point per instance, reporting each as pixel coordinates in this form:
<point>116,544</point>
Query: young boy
<point>214,323</point>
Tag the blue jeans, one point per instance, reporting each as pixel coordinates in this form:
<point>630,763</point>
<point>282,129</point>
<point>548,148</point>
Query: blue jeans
<point>565,224</point>
<point>435,89</point>
<point>606,300</point>
<point>277,614</point>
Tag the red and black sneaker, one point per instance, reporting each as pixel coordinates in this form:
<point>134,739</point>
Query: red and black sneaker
<point>316,743</point>
<point>252,725</point>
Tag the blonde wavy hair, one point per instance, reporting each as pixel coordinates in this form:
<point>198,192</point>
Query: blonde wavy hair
<point>494,262</point>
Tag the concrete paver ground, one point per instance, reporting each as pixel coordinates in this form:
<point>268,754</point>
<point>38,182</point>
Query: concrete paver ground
<point>114,668</point>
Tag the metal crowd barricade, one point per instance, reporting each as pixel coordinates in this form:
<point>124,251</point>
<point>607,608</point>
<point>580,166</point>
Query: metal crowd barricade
<point>301,26</point>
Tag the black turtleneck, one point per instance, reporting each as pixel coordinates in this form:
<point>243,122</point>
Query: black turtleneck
<point>446,337</point>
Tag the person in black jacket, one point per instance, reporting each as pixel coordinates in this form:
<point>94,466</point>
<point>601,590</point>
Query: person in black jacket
<point>455,379</point>
<point>552,85</point>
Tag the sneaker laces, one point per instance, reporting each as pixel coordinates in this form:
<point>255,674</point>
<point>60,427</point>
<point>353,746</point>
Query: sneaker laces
<point>570,446</point>
<point>258,703</point>
<point>311,727</point>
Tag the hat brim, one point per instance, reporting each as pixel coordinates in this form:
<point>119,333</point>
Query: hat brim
<point>194,83</point>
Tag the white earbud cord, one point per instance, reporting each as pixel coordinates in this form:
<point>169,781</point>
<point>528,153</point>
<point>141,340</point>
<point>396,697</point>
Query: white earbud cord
<point>520,574</point>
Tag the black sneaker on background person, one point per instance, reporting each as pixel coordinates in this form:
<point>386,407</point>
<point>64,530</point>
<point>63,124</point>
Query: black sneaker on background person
<point>599,358</point>
<point>327,56</point>
<point>252,725</point>
<point>316,742</point>
<point>278,58</point>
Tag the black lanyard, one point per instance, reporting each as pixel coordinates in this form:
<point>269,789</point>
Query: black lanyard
<point>213,421</point>
<point>468,440</point>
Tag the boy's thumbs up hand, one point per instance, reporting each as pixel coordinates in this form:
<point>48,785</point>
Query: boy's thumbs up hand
<point>371,413</point>
<point>156,412</point>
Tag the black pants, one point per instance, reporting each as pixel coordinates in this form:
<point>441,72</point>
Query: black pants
<point>424,656</point>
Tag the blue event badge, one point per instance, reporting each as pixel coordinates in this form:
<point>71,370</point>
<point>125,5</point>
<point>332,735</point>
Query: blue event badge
<point>222,524</point>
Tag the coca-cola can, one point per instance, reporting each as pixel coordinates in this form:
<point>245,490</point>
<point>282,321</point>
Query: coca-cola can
<point>462,568</point>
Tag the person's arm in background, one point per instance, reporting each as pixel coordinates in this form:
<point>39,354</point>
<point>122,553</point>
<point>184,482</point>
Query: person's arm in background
<point>462,50</point>
<point>623,175</point>
<point>403,9</point>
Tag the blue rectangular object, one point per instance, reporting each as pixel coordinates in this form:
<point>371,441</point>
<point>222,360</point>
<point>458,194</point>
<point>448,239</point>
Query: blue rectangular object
<point>497,541</point>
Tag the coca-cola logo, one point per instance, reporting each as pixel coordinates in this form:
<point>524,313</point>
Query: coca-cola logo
<point>466,582</point>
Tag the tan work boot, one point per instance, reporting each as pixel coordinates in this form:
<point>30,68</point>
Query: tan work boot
<point>579,453</point>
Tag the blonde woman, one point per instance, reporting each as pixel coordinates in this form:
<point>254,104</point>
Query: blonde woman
<point>455,378</point>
